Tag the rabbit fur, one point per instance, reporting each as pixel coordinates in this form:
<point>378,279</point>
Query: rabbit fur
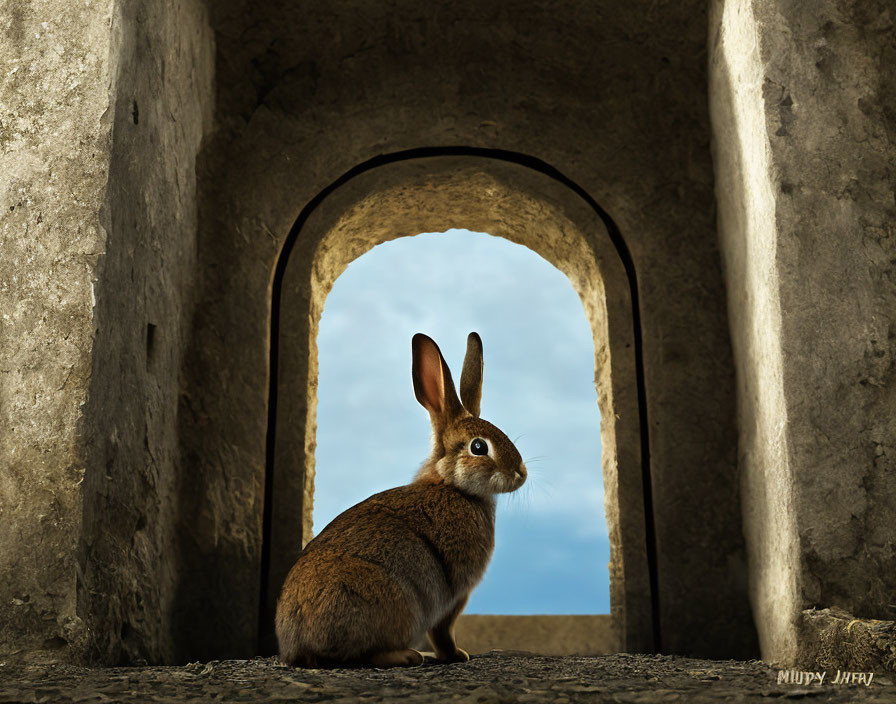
<point>403,562</point>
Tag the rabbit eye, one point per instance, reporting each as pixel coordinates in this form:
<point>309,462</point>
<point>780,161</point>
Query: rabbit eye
<point>479,446</point>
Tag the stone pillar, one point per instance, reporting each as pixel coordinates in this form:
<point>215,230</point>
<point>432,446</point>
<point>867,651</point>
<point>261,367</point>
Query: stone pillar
<point>803,105</point>
<point>55,145</point>
<point>104,106</point>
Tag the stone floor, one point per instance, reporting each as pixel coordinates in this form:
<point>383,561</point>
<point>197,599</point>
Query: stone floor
<point>498,676</point>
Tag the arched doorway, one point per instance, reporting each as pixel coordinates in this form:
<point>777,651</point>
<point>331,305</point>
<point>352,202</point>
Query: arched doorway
<point>512,196</point>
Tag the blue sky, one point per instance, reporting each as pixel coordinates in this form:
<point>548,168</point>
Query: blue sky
<point>551,549</point>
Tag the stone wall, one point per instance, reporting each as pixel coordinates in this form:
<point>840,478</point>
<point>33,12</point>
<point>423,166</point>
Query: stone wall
<point>55,129</point>
<point>103,114</point>
<point>803,114</point>
<point>614,97</point>
<point>154,156</point>
<point>133,502</point>
<point>168,430</point>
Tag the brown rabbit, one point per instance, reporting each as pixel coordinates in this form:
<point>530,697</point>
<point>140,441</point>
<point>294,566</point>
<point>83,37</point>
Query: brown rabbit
<point>403,562</point>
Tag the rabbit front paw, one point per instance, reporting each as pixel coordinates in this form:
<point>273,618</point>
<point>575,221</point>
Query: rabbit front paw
<point>458,655</point>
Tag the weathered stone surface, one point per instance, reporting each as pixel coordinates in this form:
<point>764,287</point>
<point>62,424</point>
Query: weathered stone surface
<point>495,677</point>
<point>834,153</point>
<point>54,162</point>
<point>803,114</point>
<point>136,512</point>
<point>833,639</point>
<point>102,117</point>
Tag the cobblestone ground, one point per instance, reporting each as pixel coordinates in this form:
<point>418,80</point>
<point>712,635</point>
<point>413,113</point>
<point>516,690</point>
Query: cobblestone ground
<point>498,676</point>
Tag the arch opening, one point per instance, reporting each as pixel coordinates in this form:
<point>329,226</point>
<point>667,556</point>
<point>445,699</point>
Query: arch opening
<point>510,199</point>
<point>552,547</point>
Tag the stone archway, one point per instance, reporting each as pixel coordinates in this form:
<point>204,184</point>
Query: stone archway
<point>521,200</point>
<point>133,525</point>
<point>326,107</point>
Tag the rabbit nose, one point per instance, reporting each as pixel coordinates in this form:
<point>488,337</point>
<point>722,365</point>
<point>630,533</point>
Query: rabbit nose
<point>521,471</point>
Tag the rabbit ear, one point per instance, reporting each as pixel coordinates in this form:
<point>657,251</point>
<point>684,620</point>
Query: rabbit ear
<point>432,382</point>
<point>471,376</point>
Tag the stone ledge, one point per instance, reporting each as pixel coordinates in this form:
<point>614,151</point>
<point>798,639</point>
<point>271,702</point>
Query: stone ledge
<point>833,639</point>
<point>590,634</point>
